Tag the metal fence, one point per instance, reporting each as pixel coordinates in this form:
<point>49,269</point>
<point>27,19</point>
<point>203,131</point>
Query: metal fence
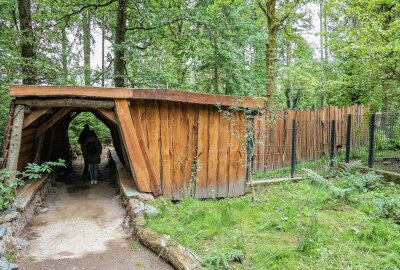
<point>285,150</point>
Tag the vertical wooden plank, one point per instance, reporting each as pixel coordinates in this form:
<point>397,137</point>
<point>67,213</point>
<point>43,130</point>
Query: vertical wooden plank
<point>202,150</point>
<point>262,132</point>
<point>177,158</point>
<point>145,177</point>
<point>233,153</point>
<point>165,151</point>
<point>257,143</point>
<point>241,153</point>
<point>213,130</point>
<point>137,110</point>
<point>140,105</point>
<point>223,154</point>
<point>184,149</point>
<point>171,124</point>
<point>191,152</point>
<point>153,129</point>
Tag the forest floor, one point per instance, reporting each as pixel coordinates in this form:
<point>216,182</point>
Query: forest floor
<point>83,230</point>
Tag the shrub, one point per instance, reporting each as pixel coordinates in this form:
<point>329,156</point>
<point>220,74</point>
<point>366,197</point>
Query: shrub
<point>354,180</point>
<point>389,208</point>
<point>224,259</point>
<point>8,189</point>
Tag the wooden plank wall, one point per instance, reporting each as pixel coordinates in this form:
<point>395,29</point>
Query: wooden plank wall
<point>272,134</point>
<point>194,149</point>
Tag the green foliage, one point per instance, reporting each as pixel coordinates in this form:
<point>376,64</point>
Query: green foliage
<point>78,124</point>
<point>347,180</point>
<point>309,236</point>
<point>35,171</point>
<point>223,259</point>
<point>389,208</point>
<point>8,189</point>
<point>294,226</point>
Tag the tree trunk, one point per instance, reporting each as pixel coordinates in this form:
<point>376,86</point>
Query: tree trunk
<point>270,53</point>
<point>27,42</point>
<point>103,37</point>
<point>322,60</point>
<point>215,64</point>
<point>15,141</point>
<point>64,53</point>
<point>119,50</point>
<point>86,45</point>
<point>288,90</point>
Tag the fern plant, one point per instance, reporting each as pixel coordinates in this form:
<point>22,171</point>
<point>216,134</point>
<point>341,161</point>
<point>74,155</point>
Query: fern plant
<point>350,173</point>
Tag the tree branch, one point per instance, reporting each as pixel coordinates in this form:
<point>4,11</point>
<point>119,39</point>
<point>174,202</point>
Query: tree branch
<point>67,16</point>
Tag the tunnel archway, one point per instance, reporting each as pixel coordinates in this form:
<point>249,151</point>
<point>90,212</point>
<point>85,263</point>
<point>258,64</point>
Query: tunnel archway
<point>174,143</point>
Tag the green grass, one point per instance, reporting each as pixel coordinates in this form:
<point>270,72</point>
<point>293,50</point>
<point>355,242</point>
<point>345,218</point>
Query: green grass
<point>293,226</point>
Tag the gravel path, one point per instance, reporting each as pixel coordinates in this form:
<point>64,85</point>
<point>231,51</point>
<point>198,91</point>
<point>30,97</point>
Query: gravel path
<point>83,230</point>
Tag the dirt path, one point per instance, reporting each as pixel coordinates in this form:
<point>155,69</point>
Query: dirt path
<point>83,230</point>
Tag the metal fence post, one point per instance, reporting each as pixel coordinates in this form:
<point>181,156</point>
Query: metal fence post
<point>371,141</point>
<point>332,146</point>
<point>348,140</point>
<point>293,161</point>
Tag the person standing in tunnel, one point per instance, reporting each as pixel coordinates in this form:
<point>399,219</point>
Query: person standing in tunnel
<point>81,140</point>
<point>93,155</point>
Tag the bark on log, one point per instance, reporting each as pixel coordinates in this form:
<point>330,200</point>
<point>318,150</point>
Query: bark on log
<point>15,141</point>
<point>62,103</point>
<point>180,257</point>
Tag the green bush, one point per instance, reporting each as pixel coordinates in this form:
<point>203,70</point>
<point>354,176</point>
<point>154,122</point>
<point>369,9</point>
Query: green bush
<point>389,208</point>
<point>8,189</point>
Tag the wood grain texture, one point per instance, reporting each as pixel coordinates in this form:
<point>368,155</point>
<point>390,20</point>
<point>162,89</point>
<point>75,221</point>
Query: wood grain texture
<point>33,116</point>
<point>136,111</point>
<point>109,115</point>
<point>52,121</point>
<point>126,93</point>
<point>213,139</point>
<point>202,152</point>
<point>165,150</point>
<point>223,154</point>
<point>139,166</point>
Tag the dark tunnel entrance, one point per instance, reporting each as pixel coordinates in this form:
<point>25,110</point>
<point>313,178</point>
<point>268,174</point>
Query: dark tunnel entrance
<point>60,140</point>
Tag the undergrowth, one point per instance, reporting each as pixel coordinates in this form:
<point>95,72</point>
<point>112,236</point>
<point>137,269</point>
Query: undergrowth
<point>345,222</point>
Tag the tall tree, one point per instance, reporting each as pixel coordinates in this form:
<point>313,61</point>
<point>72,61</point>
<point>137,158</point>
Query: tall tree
<point>86,45</point>
<point>27,42</point>
<point>119,46</point>
<point>276,16</point>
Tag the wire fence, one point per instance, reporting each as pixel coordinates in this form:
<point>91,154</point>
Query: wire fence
<point>284,150</point>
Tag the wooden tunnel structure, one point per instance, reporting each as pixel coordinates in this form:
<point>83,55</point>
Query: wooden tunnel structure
<point>173,142</point>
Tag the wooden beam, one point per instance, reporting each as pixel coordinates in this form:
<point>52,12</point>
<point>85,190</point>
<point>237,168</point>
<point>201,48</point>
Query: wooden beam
<point>109,115</point>
<point>15,141</point>
<point>67,102</point>
<point>52,121</point>
<point>19,91</point>
<point>35,115</point>
<point>145,180</point>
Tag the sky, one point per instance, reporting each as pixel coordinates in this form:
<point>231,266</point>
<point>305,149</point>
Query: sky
<point>312,36</point>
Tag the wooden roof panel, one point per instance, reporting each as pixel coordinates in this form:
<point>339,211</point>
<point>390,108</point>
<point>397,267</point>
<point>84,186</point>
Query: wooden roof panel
<point>24,91</point>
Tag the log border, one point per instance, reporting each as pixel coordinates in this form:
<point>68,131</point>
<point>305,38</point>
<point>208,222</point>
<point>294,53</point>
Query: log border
<point>180,257</point>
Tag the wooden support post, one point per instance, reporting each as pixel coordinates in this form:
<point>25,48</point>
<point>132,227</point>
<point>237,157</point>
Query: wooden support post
<point>38,149</point>
<point>109,115</point>
<point>15,141</point>
<point>35,115</point>
<point>52,121</point>
<point>67,102</point>
<point>145,177</point>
